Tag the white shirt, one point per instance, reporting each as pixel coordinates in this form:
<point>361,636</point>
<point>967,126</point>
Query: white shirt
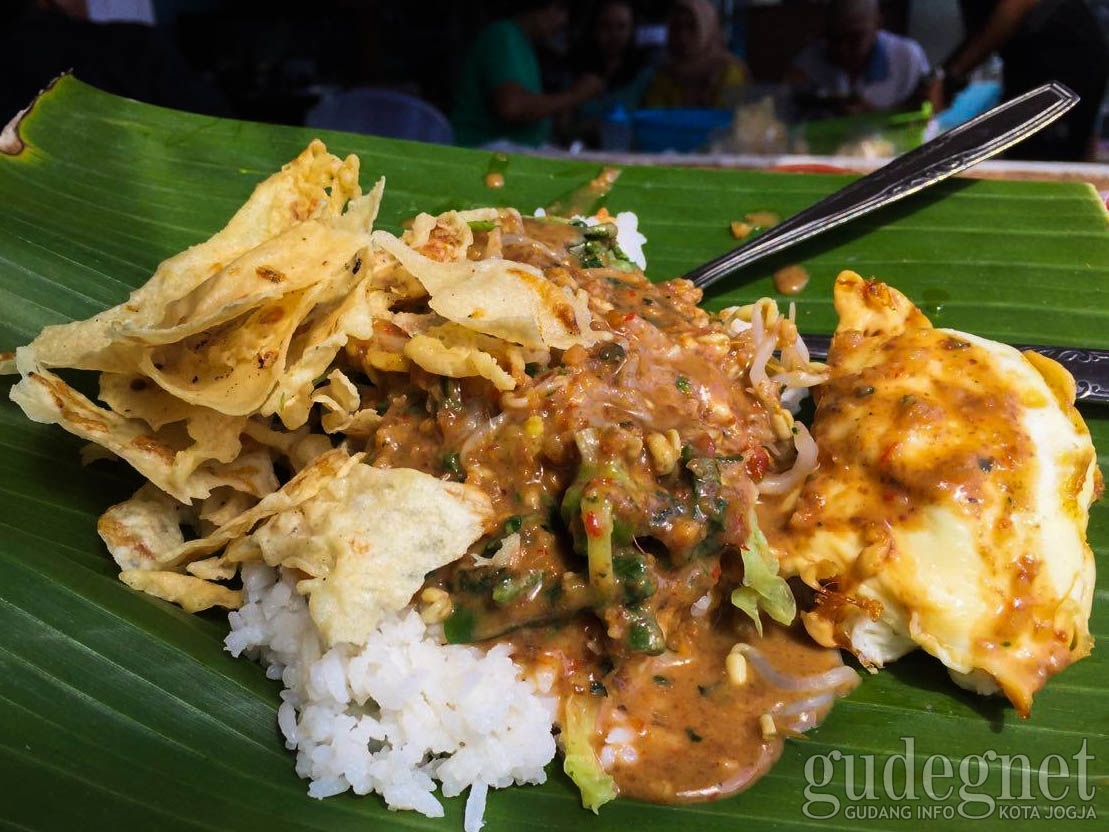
<point>893,72</point>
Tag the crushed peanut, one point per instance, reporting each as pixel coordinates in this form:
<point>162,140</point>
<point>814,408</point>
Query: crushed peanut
<point>736,665</point>
<point>663,453</point>
<point>435,605</point>
<point>766,724</point>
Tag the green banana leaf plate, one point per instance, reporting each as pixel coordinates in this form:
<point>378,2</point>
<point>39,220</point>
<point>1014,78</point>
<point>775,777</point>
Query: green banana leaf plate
<point>118,711</point>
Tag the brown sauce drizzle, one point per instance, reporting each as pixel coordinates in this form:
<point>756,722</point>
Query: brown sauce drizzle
<point>584,200</point>
<point>673,432</point>
<point>791,280</point>
<point>701,736</point>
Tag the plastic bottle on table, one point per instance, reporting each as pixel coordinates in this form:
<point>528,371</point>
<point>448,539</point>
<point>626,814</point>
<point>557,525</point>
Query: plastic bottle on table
<point>616,130</point>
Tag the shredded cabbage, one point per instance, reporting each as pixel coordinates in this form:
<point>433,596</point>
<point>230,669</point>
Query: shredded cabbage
<point>580,761</point>
<point>763,588</point>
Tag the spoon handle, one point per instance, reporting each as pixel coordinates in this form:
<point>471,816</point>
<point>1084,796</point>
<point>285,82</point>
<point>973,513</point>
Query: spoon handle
<point>947,154</point>
<point>1089,367</point>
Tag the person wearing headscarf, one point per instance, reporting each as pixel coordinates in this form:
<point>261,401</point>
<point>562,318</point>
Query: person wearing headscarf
<point>858,66</point>
<point>609,50</point>
<point>700,71</point>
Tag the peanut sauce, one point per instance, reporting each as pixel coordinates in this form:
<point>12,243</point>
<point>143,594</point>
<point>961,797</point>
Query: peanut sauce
<point>702,734</point>
<point>583,200</point>
<point>910,457</point>
<point>653,428</point>
<point>494,175</point>
<point>791,280</point>
<point>699,735</point>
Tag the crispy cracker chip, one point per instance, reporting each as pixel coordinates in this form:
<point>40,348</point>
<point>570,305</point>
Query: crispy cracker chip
<point>457,361</point>
<point>250,472</point>
<point>314,349</point>
<point>218,568</point>
<point>299,257</point>
<point>233,367</point>
<point>45,398</point>
<point>142,531</point>
<point>222,506</point>
<point>447,237</point>
<point>190,593</point>
<point>300,447</point>
<point>305,485</point>
<point>211,436</point>
<point>358,538</point>
<point>499,297</point>
<point>342,406</point>
<point>315,184</point>
<point>134,396</point>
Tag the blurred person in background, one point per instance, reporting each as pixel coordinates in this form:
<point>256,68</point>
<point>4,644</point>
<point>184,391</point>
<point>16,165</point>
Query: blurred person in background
<point>609,50</point>
<point>699,71</point>
<point>41,39</point>
<point>858,67</point>
<point>500,95</point>
<point>127,11</point>
<point>1038,41</point>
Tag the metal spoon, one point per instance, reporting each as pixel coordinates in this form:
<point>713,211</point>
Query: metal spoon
<point>947,154</point>
<point>944,156</point>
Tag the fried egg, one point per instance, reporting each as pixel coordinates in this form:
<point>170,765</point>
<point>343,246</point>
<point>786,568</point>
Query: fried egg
<point>949,508</point>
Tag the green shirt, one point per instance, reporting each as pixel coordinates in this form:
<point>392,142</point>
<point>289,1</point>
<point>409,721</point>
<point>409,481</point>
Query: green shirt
<point>501,54</point>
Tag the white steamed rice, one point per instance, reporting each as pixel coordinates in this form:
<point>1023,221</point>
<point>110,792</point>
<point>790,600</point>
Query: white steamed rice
<point>397,715</point>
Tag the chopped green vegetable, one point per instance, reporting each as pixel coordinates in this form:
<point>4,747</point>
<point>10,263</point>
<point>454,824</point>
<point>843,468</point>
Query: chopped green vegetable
<point>598,248</point>
<point>482,225</point>
<point>634,577</point>
<point>644,633</point>
<point>459,626</point>
<point>478,581</point>
<point>622,531</point>
<point>708,506</point>
<point>763,588</point>
<point>601,231</point>
<point>453,463</point>
<point>682,383</point>
<point>596,517</point>
<point>591,468</point>
<point>580,761</point>
<point>512,587</point>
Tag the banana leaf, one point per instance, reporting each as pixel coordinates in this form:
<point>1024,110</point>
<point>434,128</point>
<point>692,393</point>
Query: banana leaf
<point>120,711</point>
